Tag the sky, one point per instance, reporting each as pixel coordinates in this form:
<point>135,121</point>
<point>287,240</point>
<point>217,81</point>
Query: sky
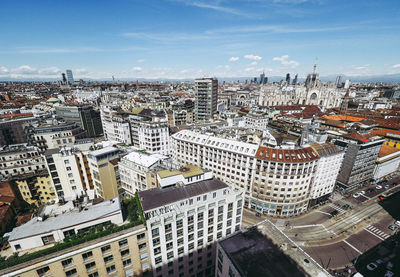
<point>180,39</point>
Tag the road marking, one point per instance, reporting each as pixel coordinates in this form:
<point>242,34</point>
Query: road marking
<point>345,241</point>
<point>372,228</point>
<point>374,234</point>
<point>337,208</point>
<point>306,226</point>
<point>323,212</point>
<point>365,196</point>
<point>248,221</point>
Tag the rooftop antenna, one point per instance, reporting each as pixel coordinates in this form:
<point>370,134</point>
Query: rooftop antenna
<point>315,65</point>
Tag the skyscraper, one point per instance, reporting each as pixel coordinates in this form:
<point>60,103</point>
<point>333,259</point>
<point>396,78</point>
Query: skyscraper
<point>64,80</point>
<point>338,81</point>
<point>288,78</point>
<point>262,76</point>
<point>206,94</point>
<point>70,77</point>
<point>295,80</point>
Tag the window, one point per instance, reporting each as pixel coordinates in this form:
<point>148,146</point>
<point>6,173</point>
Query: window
<point>71,272</point>
<point>158,260</point>
<point>68,168</point>
<point>48,239</point>
<point>144,256</point>
<point>127,262</point>
<point>110,269</point>
<point>170,255</point>
<point>90,266</point>
<point>155,232</point>
<point>17,247</point>
<point>87,255</point>
<point>67,262</point>
<point>108,259</point>
<point>66,161</point>
<point>105,249</point>
<point>156,241</point>
<point>123,243</point>
<point>157,250</point>
<point>141,236</point>
<point>94,274</point>
<point>180,241</point>
<point>124,252</point>
<point>142,246</point>
<point>43,271</point>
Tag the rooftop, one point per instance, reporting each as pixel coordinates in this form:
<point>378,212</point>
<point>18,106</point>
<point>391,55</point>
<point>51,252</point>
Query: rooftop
<point>103,151</point>
<point>286,155</point>
<point>35,227</point>
<point>387,150</point>
<point>154,198</point>
<point>187,171</point>
<point>144,159</point>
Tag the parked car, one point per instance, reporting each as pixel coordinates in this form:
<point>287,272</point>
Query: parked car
<point>370,190</point>
<point>389,265</point>
<point>258,214</point>
<point>362,192</point>
<point>386,186</point>
<point>356,195</point>
<point>346,206</point>
<point>397,223</point>
<point>392,227</point>
<point>378,187</point>
<point>372,266</point>
<point>388,274</point>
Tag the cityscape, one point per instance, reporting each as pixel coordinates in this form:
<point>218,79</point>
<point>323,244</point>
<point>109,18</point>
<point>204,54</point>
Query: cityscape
<point>202,138</point>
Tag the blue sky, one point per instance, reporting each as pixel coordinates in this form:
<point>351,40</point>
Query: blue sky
<point>185,38</point>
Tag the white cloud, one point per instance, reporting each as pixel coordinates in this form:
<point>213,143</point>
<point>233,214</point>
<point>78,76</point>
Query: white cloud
<point>214,7</point>
<point>140,60</point>
<point>284,61</point>
<point>360,67</point>
<point>234,59</point>
<point>254,63</point>
<point>396,65</point>
<point>49,71</point>
<point>253,57</point>
<point>24,69</point>
<point>249,69</point>
<point>136,69</point>
<point>226,67</point>
<point>3,70</point>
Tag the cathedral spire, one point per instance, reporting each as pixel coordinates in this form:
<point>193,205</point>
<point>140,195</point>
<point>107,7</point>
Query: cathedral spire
<point>315,65</point>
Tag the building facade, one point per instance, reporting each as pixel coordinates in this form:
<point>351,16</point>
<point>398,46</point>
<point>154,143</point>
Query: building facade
<point>184,222</point>
<point>206,98</point>
<point>116,126</point>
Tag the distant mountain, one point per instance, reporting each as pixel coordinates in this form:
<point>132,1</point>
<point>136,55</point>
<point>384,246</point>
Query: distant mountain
<point>390,78</point>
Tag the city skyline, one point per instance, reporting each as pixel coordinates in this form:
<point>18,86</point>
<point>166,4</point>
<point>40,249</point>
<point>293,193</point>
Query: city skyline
<point>182,39</point>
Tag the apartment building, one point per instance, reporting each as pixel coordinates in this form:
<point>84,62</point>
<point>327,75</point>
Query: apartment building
<point>103,164</point>
<point>124,253</point>
<point>277,180</point>
<point>69,170</point>
<point>55,134</point>
<point>359,159</point>
<point>20,159</point>
<point>13,131</point>
<point>36,188</point>
<point>206,98</point>
<point>256,120</point>
<point>116,126</point>
<point>138,171</point>
<point>185,221</point>
<point>150,130</point>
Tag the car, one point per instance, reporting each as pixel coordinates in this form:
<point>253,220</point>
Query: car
<point>389,265</point>
<point>258,214</point>
<point>356,195</point>
<point>372,266</point>
<point>334,213</point>
<point>386,186</point>
<point>388,274</point>
<point>379,261</point>
<point>397,223</point>
<point>346,206</point>
<point>362,192</point>
<point>392,227</point>
<point>370,190</point>
<point>378,187</point>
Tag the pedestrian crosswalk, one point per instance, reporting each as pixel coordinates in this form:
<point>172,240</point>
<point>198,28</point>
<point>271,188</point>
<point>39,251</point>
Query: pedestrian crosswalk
<point>377,232</point>
<point>336,207</point>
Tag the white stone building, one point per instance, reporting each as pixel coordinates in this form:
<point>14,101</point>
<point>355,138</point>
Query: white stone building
<point>116,125</point>
<point>184,222</point>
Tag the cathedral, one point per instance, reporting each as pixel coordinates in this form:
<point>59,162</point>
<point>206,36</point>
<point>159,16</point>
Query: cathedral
<point>312,92</point>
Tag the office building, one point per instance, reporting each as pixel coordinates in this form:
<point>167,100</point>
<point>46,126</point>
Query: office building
<point>262,77</point>
<point>277,179</point>
<point>338,82</point>
<point>206,98</point>
<point>185,220</point>
<point>361,153</point>
<point>70,77</point>
<point>295,80</point>
<point>14,131</point>
<point>288,78</point>
<point>85,117</point>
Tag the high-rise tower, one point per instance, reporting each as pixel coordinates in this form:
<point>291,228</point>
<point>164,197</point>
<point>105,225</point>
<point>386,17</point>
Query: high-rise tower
<point>206,93</point>
<point>70,77</point>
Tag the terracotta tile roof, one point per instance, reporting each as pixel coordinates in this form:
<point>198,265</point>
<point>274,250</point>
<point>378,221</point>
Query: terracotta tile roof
<point>343,118</point>
<point>387,150</point>
<point>286,155</point>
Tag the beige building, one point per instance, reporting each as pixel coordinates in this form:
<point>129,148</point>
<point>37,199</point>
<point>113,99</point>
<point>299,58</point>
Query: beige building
<point>124,253</point>
<point>37,189</point>
<point>103,165</point>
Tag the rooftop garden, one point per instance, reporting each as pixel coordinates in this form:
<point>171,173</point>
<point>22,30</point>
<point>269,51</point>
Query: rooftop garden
<point>132,211</point>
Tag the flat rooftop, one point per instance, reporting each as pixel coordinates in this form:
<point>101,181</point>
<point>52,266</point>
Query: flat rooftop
<point>187,171</point>
<point>254,254</point>
<point>68,219</point>
<point>144,159</point>
<point>154,198</point>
